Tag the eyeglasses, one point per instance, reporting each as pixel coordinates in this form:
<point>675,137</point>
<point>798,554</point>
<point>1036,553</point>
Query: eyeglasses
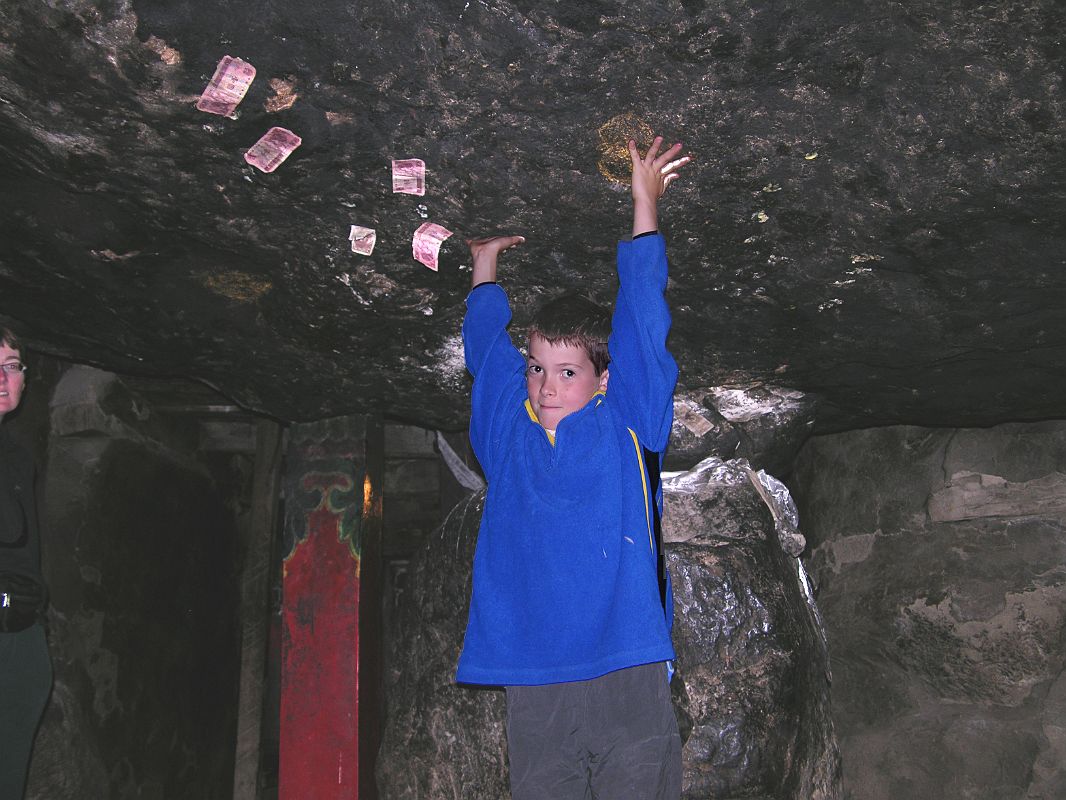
<point>13,368</point>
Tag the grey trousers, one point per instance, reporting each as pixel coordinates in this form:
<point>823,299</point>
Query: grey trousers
<point>610,738</point>
<point>25,682</point>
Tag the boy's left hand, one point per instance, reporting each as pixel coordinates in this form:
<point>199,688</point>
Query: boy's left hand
<point>652,174</point>
<point>655,171</point>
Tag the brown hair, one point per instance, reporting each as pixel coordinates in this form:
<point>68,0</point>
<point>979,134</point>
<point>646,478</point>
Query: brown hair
<point>8,337</point>
<point>575,320</point>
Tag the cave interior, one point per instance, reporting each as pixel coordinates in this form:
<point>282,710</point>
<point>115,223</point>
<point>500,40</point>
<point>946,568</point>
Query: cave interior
<point>867,285</point>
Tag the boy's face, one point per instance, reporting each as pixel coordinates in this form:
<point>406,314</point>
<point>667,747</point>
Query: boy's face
<point>560,380</point>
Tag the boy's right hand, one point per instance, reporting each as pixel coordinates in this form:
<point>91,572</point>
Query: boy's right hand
<point>492,246</point>
<point>484,253</point>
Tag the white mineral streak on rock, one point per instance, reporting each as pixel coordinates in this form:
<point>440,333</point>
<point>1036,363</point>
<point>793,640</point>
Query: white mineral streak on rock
<point>972,495</point>
<point>65,143</point>
<point>466,477</point>
<point>449,364</point>
<point>346,279</point>
<point>744,405</point>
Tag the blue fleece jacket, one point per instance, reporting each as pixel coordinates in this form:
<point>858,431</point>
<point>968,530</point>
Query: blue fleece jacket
<point>565,586</point>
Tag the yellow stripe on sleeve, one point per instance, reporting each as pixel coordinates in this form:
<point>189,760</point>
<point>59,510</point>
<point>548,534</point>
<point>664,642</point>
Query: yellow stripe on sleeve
<point>644,485</point>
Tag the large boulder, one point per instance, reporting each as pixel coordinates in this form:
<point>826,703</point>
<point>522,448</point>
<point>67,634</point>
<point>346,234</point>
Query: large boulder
<point>751,692</point>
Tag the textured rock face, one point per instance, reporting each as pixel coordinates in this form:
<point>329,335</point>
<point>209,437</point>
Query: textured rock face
<point>139,553</point>
<point>873,216</point>
<point>766,426</point>
<point>441,741</point>
<point>939,563</point>
<point>751,692</point>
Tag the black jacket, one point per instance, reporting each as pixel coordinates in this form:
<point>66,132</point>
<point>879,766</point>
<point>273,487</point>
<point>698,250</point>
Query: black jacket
<point>20,544</point>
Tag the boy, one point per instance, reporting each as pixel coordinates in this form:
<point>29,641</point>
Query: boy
<point>565,610</point>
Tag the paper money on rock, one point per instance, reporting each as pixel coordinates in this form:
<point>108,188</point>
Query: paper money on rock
<point>227,86</point>
<point>409,176</point>
<point>426,243</point>
<point>269,152</point>
<point>362,240</point>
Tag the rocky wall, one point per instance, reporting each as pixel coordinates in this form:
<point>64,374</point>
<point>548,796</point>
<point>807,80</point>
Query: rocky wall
<point>938,556</point>
<point>140,554</point>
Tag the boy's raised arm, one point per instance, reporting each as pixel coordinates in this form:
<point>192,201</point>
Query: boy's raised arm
<point>490,355</point>
<point>643,372</point>
<point>485,252</point>
<point>652,174</point>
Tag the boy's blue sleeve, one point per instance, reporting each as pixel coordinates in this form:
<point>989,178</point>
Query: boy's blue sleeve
<point>643,373</point>
<point>498,369</point>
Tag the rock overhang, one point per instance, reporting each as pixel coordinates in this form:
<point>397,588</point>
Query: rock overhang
<point>873,217</point>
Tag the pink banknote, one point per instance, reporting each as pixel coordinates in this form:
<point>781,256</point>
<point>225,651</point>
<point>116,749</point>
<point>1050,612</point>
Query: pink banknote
<point>275,146</point>
<point>362,239</point>
<point>426,243</point>
<point>227,87</point>
<point>409,176</point>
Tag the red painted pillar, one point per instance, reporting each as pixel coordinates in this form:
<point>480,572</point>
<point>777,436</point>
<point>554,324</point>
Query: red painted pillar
<point>330,679</point>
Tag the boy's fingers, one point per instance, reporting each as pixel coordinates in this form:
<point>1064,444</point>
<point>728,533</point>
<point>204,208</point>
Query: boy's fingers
<point>675,165</point>
<point>633,152</point>
<point>501,243</point>
<point>653,151</point>
<point>668,156</point>
<point>487,239</point>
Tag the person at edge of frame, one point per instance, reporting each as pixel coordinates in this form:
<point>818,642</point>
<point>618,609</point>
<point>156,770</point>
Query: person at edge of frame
<point>25,666</point>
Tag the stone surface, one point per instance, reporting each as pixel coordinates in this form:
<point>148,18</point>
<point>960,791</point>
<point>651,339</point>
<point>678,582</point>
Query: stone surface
<point>441,742</point>
<point>766,426</point>
<point>874,216</point>
<point>752,692</point>
<point>945,619</point>
<point>140,555</point>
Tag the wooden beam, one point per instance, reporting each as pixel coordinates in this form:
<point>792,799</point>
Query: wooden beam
<point>255,607</point>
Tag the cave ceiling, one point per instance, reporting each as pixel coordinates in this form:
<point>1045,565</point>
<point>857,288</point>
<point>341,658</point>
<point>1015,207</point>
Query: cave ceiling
<point>874,217</point>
